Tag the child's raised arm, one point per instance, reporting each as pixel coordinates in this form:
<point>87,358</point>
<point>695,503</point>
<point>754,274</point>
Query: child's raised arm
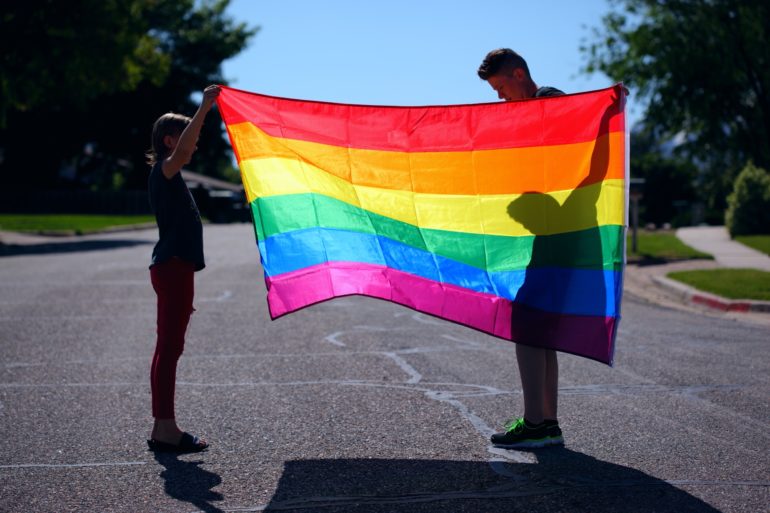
<point>186,144</point>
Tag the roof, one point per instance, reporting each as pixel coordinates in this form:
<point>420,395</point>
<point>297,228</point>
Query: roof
<point>209,182</point>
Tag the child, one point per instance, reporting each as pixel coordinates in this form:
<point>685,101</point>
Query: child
<point>176,256</point>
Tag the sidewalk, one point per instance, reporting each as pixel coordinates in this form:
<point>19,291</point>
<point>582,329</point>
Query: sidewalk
<point>728,253</point>
<point>649,282</point>
<point>30,244</point>
<point>26,239</point>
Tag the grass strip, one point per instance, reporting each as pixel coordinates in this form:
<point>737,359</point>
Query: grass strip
<point>661,246</point>
<point>67,224</point>
<point>728,283</point>
<point>758,242</point>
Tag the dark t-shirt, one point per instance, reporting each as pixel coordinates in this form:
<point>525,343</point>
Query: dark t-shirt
<point>547,91</point>
<point>179,222</point>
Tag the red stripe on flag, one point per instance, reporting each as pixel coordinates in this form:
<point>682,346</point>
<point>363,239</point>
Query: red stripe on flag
<point>546,121</point>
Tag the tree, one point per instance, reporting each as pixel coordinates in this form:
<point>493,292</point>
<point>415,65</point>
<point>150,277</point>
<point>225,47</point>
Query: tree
<point>703,68</point>
<point>107,84</point>
<point>669,179</point>
<point>198,40</point>
<point>68,53</point>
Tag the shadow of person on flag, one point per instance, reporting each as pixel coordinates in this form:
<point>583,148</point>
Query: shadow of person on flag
<point>568,300</point>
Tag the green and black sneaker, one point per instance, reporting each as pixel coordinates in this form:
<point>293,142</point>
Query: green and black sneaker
<point>554,432</point>
<point>521,434</point>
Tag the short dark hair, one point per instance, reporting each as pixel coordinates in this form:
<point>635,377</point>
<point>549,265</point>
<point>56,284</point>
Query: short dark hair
<point>502,59</point>
<point>168,124</point>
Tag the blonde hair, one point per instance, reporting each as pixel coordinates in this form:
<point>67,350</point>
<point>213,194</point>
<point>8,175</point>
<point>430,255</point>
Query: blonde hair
<point>168,124</point>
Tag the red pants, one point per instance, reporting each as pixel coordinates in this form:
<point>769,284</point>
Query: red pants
<point>173,284</point>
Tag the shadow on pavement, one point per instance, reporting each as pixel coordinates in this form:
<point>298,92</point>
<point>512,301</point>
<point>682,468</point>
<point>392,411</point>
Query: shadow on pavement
<point>561,480</point>
<point>66,247</point>
<point>186,481</point>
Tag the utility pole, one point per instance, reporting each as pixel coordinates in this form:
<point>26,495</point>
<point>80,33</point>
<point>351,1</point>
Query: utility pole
<point>636,185</point>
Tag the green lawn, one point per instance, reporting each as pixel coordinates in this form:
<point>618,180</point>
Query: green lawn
<point>758,242</point>
<point>66,223</point>
<point>729,283</point>
<point>661,246</point>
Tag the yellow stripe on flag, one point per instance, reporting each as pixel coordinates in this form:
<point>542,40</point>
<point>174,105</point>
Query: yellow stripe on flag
<point>556,212</point>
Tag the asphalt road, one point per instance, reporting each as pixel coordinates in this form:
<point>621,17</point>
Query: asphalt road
<point>354,405</point>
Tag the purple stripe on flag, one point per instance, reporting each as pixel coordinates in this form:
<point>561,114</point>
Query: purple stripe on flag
<point>584,335</point>
<point>297,289</point>
<point>577,334</point>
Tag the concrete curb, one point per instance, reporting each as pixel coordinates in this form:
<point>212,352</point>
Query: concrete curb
<point>11,238</point>
<point>693,295</point>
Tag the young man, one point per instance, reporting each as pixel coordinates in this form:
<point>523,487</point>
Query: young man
<point>508,74</point>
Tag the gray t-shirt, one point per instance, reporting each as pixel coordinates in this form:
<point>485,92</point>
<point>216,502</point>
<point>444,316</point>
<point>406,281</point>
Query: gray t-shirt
<point>547,91</point>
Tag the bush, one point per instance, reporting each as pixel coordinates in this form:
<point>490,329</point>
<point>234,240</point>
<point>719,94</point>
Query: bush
<point>748,206</point>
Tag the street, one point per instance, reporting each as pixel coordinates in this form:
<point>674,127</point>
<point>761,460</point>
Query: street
<point>355,404</point>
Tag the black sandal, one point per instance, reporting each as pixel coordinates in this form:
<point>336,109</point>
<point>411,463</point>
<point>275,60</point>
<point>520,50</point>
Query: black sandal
<point>187,443</point>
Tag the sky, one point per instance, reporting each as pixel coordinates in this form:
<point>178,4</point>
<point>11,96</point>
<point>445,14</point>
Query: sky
<point>418,52</point>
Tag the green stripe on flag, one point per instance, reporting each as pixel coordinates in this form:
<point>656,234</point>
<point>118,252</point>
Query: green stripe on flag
<point>595,248</point>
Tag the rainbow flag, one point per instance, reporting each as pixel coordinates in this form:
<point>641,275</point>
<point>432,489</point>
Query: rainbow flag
<point>507,217</point>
